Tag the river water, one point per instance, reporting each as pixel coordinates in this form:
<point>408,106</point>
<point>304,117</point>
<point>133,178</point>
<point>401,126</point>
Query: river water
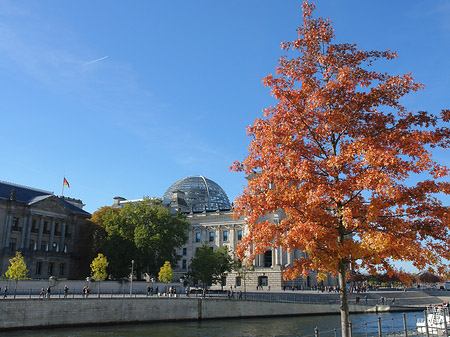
<point>280,326</point>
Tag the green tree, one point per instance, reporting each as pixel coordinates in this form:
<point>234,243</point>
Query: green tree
<point>119,259</point>
<point>154,232</point>
<point>17,270</point>
<point>224,263</point>
<point>209,266</point>
<point>165,273</point>
<point>98,270</point>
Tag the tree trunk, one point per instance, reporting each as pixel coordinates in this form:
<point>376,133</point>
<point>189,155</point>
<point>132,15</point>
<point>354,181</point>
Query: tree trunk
<point>344,300</point>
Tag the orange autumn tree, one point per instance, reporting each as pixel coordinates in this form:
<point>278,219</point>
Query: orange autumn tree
<point>334,154</point>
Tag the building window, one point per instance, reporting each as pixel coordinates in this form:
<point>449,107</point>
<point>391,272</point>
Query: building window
<point>211,236</point>
<point>44,246</point>
<point>54,246</point>
<point>239,236</point>
<point>184,264</point>
<point>51,265</point>
<point>34,227</point>
<point>15,225</point>
<point>238,281</point>
<point>46,227</point>
<point>197,237</point>
<point>268,259</point>
<point>68,230</point>
<point>57,229</point>
<point>184,251</point>
<point>38,267</point>
<point>225,235</point>
<point>31,247</point>
<point>12,244</point>
<point>62,267</point>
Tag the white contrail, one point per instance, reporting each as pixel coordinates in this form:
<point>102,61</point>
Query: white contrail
<point>90,62</point>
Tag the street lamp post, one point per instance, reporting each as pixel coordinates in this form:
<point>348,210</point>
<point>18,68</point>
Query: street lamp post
<point>153,285</point>
<point>182,285</point>
<point>131,284</point>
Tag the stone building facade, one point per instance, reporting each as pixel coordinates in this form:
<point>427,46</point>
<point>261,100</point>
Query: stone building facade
<point>209,213</point>
<point>44,227</point>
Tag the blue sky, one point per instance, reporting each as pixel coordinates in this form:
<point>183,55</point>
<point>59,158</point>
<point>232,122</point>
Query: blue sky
<point>126,97</point>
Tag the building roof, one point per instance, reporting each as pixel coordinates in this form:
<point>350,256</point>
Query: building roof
<point>23,193</point>
<point>30,196</point>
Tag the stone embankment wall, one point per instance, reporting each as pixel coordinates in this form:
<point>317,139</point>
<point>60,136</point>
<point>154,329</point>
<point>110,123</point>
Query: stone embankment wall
<point>76,286</point>
<point>35,313</point>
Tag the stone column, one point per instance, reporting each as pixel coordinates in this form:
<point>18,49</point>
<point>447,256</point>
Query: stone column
<point>203,234</point>
<point>216,231</point>
<point>273,256</point>
<point>52,236</point>
<point>7,235</point>
<point>289,257</point>
<point>63,236</point>
<point>28,237</point>
<point>41,231</point>
<point>24,232</point>
<point>281,255</point>
<point>277,256</point>
<point>232,239</point>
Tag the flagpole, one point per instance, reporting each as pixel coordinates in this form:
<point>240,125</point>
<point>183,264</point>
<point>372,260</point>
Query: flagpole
<point>62,194</point>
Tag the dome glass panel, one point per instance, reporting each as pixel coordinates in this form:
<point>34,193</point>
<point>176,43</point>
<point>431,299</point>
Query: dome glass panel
<point>199,192</point>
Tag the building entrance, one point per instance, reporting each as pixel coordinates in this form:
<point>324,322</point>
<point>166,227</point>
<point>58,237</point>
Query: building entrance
<point>268,259</point>
<point>263,281</point>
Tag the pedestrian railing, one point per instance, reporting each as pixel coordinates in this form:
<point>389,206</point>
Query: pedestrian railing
<point>218,294</point>
<point>404,325</point>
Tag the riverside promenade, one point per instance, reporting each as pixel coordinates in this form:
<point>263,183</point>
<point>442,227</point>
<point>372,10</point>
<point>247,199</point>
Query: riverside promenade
<point>25,312</point>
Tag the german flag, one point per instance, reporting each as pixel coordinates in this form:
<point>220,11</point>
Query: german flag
<point>65,182</point>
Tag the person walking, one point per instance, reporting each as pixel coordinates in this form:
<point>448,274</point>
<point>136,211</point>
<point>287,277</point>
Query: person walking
<point>66,291</point>
<point>5,292</point>
<point>49,291</point>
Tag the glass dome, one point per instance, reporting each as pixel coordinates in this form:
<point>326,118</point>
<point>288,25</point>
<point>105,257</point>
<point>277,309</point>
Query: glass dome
<point>198,193</point>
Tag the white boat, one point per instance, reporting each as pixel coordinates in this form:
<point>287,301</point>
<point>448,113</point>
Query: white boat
<point>437,318</point>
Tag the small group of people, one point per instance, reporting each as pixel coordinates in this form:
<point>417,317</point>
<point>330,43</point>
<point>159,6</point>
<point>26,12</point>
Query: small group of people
<point>45,293</point>
<point>150,291</point>
<point>172,291</point>
<point>231,292</point>
<point>384,300</point>
<point>330,289</point>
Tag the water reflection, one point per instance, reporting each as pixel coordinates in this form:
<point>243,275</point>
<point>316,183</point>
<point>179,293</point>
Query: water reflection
<point>281,326</point>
